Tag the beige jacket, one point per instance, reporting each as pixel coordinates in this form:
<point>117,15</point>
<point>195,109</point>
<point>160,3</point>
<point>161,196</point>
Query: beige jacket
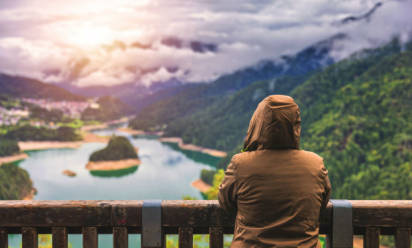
<point>275,189</point>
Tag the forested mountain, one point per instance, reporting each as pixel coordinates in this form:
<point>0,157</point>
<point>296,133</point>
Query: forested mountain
<point>169,111</point>
<point>357,114</point>
<point>110,108</point>
<point>25,87</point>
<point>226,120</point>
<point>133,94</point>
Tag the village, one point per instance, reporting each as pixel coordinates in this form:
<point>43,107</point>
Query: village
<point>21,111</point>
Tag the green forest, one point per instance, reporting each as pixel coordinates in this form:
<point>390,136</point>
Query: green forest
<point>357,114</point>
<point>118,148</point>
<point>32,133</point>
<point>110,108</point>
<point>15,182</point>
<point>8,147</point>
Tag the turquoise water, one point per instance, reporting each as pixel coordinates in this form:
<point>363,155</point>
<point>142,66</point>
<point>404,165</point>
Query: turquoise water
<point>165,173</point>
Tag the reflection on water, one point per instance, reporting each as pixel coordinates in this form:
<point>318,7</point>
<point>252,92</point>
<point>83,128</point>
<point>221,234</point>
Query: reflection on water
<point>165,173</point>
<point>195,156</point>
<point>114,173</point>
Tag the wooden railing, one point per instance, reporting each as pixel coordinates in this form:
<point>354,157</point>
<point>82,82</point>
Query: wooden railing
<point>185,218</point>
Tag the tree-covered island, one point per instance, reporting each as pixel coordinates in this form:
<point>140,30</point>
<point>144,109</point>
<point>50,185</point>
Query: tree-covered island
<point>118,154</point>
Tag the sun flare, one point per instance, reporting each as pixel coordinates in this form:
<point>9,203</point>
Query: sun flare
<point>88,35</point>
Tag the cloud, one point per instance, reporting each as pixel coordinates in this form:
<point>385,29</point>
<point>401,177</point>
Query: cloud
<point>90,42</point>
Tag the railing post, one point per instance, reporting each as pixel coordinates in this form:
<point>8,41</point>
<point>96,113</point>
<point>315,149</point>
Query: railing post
<point>4,240</point>
<point>59,237</point>
<point>402,237</point>
<point>29,237</point>
<point>152,233</point>
<point>341,235</point>
<point>90,237</point>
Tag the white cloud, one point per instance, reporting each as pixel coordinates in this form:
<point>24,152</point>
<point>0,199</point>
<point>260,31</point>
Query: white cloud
<point>39,36</point>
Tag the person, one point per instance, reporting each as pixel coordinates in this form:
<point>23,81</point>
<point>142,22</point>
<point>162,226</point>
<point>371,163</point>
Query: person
<point>275,189</point>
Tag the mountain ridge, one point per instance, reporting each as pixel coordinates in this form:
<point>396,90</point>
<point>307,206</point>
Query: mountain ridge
<point>171,109</point>
<point>18,86</point>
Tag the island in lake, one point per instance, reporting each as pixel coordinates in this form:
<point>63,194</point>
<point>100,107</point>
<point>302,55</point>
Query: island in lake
<point>119,154</point>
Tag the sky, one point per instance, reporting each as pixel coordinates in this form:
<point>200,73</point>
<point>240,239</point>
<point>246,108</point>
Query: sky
<point>97,42</point>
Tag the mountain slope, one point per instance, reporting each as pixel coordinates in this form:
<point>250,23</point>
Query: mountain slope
<point>25,87</point>
<point>225,121</point>
<point>362,126</point>
<point>169,111</point>
<point>110,108</point>
<point>136,95</point>
<point>357,114</point>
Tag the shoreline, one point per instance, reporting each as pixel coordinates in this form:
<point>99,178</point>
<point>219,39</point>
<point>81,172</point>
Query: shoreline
<point>50,144</point>
<point>44,145</point>
<point>30,196</point>
<point>191,147</point>
<point>112,165</point>
<point>89,128</point>
<point>13,158</point>
<point>94,138</point>
<point>200,185</point>
<point>130,131</point>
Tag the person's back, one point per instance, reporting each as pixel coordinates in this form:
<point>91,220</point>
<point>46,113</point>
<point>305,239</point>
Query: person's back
<point>276,189</point>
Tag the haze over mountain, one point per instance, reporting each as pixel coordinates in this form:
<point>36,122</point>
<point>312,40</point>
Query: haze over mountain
<point>176,111</point>
<point>30,88</point>
<point>89,43</point>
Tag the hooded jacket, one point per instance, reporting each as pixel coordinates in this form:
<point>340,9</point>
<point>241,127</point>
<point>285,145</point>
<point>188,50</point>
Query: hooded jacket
<point>275,189</point>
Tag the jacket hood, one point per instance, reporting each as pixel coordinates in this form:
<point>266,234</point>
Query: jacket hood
<point>275,124</point>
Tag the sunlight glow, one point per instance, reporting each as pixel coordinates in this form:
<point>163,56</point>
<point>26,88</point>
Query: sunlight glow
<point>88,35</point>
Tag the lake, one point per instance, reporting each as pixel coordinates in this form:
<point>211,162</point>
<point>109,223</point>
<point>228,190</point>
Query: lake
<point>165,173</point>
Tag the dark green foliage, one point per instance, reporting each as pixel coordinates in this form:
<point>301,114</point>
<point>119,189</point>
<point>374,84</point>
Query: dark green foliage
<point>223,125</point>
<point>224,119</point>
<point>207,176</point>
<point>224,162</point>
<point>114,173</point>
<point>194,155</point>
<point>357,114</point>
<point>118,148</point>
<point>110,108</point>
<point>8,147</point>
<point>8,102</point>
<point>15,182</point>
<point>157,115</point>
<point>53,115</point>
<point>31,133</point>
<point>67,134</point>
<point>362,126</point>
<point>216,115</point>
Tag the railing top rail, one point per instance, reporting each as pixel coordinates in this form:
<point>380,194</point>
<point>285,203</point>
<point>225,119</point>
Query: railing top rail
<point>196,213</point>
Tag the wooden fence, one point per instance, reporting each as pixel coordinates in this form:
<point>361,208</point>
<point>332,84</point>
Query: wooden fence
<point>340,221</point>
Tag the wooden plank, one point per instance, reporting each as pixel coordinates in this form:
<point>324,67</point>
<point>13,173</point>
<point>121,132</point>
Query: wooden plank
<point>403,237</point>
<point>185,237</point>
<point>29,236</point>
<point>371,238</point>
<point>59,237</point>
<point>120,237</point>
<point>69,213</point>
<point>216,237</point>
<point>4,239</point>
<point>89,237</point>
<point>200,214</point>
<point>382,213</point>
